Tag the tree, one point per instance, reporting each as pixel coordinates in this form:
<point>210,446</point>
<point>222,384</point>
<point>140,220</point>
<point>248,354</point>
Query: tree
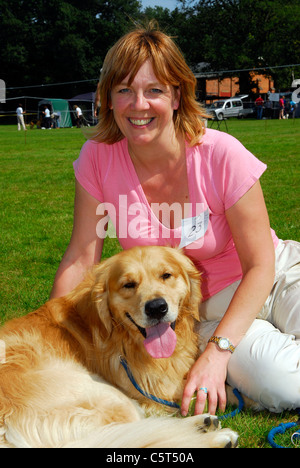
<point>57,41</point>
<point>243,34</point>
<point>50,41</point>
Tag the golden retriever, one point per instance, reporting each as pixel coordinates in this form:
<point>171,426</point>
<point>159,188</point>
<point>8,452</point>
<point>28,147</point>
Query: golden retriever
<point>62,383</point>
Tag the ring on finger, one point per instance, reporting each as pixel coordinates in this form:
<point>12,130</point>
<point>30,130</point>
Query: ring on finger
<point>204,389</point>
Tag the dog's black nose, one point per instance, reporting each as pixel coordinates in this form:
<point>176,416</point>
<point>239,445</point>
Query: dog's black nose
<point>156,308</point>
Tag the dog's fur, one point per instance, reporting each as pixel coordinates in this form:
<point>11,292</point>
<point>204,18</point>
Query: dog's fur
<point>62,384</point>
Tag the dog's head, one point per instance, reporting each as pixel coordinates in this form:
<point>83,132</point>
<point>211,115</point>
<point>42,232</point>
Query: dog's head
<point>146,291</point>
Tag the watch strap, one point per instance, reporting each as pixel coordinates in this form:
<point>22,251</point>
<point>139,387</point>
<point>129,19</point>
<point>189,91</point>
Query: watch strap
<point>216,339</point>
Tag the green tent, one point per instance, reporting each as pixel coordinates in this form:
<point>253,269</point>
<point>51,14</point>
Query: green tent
<point>58,107</point>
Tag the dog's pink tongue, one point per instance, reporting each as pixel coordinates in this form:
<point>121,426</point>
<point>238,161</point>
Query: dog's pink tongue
<point>161,340</point>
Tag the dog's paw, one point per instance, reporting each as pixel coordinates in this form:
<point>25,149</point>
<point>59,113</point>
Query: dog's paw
<point>205,431</point>
<point>224,438</point>
<point>211,423</point>
<point>206,422</point>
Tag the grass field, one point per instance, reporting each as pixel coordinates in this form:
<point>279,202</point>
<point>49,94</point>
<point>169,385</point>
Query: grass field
<point>36,205</point>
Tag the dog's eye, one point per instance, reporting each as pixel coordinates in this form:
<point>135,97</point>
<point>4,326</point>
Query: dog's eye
<point>166,276</point>
<point>130,285</point>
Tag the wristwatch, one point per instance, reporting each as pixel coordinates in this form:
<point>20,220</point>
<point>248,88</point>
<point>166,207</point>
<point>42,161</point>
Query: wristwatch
<point>223,343</point>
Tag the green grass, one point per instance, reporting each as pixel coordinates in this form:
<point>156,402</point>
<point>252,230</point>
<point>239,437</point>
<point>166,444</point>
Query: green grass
<point>36,206</point>
<point>277,143</point>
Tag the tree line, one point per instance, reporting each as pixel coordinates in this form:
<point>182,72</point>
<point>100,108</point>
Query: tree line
<point>54,41</point>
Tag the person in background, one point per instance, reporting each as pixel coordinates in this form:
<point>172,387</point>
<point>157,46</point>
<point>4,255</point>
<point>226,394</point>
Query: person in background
<point>293,107</point>
<point>259,103</point>
<point>79,116</point>
<point>47,117</point>
<point>281,107</point>
<point>20,118</point>
<point>269,109</point>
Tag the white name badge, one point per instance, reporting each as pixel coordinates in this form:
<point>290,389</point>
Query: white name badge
<point>193,228</point>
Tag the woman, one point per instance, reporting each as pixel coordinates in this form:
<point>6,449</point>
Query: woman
<point>281,107</point>
<point>164,180</point>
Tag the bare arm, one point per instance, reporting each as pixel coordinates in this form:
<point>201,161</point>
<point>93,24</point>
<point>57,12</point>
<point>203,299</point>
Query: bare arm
<point>85,247</point>
<point>249,224</point>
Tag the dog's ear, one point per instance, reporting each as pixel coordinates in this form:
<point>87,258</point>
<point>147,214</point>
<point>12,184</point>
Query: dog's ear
<point>90,300</point>
<point>99,297</point>
<point>193,278</point>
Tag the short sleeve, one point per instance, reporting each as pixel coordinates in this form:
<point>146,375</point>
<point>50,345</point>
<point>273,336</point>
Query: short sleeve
<point>235,169</point>
<point>88,171</point>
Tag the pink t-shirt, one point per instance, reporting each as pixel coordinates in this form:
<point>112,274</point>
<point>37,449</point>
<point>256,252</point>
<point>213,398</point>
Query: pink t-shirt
<point>220,171</point>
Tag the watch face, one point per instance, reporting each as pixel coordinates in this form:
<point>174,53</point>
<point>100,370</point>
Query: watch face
<point>224,343</point>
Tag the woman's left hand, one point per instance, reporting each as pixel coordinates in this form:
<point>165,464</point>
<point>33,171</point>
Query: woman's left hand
<point>207,374</point>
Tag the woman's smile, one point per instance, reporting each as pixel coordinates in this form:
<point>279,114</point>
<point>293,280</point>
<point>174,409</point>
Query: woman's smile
<point>140,122</point>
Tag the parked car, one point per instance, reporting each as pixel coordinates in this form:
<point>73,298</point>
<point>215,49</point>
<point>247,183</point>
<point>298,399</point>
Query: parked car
<point>249,110</point>
<point>231,107</point>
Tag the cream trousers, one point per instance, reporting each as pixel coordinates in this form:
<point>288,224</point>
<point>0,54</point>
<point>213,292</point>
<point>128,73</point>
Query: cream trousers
<point>266,364</point>
<point>21,123</point>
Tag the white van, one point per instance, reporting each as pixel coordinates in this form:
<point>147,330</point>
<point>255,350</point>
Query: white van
<point>231,107</point>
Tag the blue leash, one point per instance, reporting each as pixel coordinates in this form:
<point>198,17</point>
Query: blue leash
<point>171,403</point>
<point>147,395</point>
<point>239,408</point>
<point>281,429</point>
